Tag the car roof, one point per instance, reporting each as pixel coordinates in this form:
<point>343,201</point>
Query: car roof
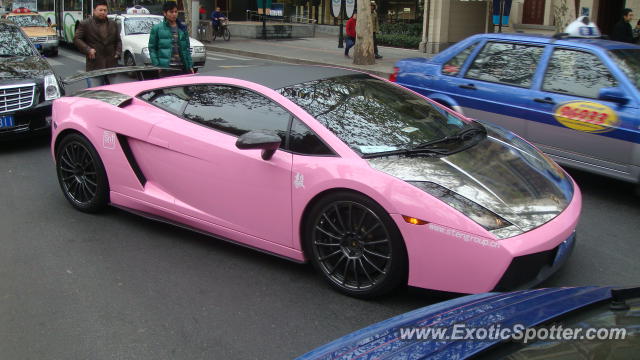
<point>546,39</point>
<point>383,340</point>
<point>135,15</point>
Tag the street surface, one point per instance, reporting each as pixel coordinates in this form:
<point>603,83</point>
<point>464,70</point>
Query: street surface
<point>118,286</point>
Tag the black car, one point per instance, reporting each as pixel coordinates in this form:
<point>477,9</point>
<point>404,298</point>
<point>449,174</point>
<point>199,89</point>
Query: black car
<point>27,85</point>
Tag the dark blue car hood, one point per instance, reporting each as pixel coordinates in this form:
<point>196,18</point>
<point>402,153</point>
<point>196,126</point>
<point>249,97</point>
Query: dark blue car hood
<point>527,307</point>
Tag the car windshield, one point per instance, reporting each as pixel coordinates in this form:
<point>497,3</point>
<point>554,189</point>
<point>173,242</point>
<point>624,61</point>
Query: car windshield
<point>629,61</point>
<point>13,42</point>
<point>373,116</point>
<point>28,20</point>
<point>140,25</point>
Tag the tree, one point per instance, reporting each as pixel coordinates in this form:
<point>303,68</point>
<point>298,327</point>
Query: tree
<point>564,12</point>
<point>363,53</point>
<point>187,14</point>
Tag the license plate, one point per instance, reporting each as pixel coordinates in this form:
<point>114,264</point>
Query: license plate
<point>6,121</point>
<point>39,46</point>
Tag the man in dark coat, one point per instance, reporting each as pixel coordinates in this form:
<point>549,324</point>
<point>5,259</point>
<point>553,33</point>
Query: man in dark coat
<point>99,39</point>
<point>622,31</point>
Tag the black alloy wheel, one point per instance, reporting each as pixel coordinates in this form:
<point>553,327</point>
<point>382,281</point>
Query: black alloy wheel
<point>81,174</point>
<point>355,245</point>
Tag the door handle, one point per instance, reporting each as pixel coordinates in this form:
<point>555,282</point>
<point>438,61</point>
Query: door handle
<point>469,86</point>
<point>546,100</point>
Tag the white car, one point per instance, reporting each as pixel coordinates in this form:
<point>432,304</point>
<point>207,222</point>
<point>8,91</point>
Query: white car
<point>134,32</point>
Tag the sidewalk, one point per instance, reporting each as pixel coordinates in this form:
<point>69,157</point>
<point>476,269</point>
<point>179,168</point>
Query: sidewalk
<point>320,50</point>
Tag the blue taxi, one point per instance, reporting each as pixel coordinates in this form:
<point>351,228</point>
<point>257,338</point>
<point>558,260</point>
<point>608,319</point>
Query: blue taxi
<point>577,99</point>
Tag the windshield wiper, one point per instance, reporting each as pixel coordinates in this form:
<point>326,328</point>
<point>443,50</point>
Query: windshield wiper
<point>137,33</point>
<point>407,152</point>
<point>465,134</point>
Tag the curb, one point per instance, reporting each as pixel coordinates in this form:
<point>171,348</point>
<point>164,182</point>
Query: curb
<point>290,60</point>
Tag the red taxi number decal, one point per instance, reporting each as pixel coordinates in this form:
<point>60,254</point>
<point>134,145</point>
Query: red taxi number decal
<point>586,116</point>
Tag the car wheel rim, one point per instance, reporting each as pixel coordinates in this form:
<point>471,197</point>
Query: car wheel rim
<point>352,245</point>
<point>78,173</point>
<point>130,61</point>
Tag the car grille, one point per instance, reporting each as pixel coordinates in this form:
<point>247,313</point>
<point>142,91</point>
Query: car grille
<point>39,39</point>
<point>14,98</point>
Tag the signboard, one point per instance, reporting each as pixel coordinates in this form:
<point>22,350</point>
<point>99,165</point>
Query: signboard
<point>335,7</point>
<point>350,6</point>
<point>505,6</point>
<point>277,10</point>
<point>27,4</point>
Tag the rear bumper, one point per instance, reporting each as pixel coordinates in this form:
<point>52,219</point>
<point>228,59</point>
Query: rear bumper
<point>31,121</point>
<point>442,258</point>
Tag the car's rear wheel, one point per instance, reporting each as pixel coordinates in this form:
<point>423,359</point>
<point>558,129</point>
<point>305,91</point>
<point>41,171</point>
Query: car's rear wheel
<point>81,174</point>
<point>355,245</point>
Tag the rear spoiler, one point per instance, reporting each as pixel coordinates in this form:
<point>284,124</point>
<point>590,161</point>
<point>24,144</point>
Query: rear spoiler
<point>140,72</point>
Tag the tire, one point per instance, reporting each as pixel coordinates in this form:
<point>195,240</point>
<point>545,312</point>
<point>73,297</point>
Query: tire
<point>53,53</point>
<point>81,174</point>
<point>227,34</point>
<point>355,245</point>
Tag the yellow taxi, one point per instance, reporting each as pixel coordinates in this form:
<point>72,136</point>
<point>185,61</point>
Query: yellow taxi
<point>37,29</point>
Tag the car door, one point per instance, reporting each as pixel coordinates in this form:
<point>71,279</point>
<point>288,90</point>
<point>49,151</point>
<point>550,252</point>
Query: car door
<point>497,82</point>
<point>572,122</point>
<point>209,177</point>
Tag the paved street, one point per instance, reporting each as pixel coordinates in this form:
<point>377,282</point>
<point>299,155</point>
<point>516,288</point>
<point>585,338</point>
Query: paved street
<point>118,286</point>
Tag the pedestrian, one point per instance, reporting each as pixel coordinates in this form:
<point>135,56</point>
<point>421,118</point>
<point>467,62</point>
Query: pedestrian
<point>622,31</point>
<point>203,13</point>
<point>216,18</point>
<point>350,29</point>
<point>375,26</point>
<point>169,41</point>
<point>99,39</point>
<point>636,33</point>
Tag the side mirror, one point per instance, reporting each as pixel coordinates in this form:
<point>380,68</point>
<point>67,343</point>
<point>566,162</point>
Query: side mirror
<point>267,140</point>
<point>613,94</point>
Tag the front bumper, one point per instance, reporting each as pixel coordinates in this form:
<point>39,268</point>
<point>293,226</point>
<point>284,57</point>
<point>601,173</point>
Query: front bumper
<point>31,121</point>
<point>48,45</point>
<point>442,258</point>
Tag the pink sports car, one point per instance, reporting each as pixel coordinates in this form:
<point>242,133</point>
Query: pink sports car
<point>373,184</point>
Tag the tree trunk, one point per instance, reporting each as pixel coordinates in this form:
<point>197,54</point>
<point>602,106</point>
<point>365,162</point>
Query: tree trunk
<point>564,13</point>
<point>187,14</point>
<point>363,51</point>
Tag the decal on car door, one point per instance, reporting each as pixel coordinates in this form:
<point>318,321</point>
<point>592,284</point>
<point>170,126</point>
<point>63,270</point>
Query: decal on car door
<point>586,116</point>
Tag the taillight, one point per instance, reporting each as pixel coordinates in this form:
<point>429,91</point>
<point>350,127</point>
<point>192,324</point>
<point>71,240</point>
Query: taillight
<point>394,76</point>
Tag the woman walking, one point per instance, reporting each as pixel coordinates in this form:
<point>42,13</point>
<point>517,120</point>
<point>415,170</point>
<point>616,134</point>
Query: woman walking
<point>169,41</point>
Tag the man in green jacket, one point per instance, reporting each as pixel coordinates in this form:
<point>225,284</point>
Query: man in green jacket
<point>169,41</point>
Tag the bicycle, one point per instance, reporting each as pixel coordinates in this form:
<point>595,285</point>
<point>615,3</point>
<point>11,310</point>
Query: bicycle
<point>222,30</point>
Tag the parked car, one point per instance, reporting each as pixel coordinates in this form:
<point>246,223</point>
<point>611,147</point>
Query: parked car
<point>27,85</point>
<point>37,29</point>
<point>134,32</point>
<point>576,99</point>
<point>571,323</point>
<point>374,185</point>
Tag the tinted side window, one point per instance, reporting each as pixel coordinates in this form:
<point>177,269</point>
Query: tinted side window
<point>452,67</point>
<point>506,63</point>
<point>234,110</point>
<point>172,100</point>
<point>303,140</point>
<point>576,73</point>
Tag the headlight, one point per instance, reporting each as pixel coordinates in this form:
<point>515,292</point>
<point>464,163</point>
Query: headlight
<point>51,89</point>
<point>199,50</point>
<point>481,215</point>
<point>145,52</point>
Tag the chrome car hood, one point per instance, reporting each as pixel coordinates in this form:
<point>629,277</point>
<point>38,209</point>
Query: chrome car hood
<point>502,173</point>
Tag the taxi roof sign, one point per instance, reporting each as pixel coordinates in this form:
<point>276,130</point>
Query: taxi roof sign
<point>584,28</point>
<point>137,10</point>
<point>21,10</point>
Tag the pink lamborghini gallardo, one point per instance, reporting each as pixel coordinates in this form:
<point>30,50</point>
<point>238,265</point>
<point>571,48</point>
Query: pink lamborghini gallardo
<point>373,184</point>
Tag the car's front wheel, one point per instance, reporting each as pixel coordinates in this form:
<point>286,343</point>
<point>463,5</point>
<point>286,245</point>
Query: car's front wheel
<point>81,174</point>
<point>355,245</point>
